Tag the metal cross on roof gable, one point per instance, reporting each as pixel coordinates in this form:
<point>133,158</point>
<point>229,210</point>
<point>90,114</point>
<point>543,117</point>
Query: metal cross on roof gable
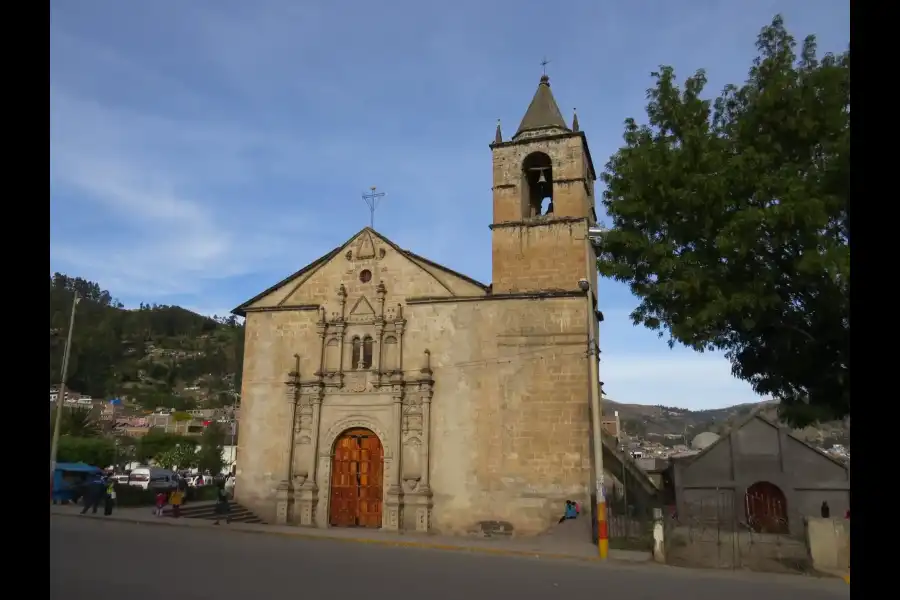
<point>372,199</point>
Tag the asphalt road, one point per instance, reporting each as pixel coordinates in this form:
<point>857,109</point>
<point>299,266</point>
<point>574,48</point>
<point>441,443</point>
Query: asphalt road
<point>95,560</point>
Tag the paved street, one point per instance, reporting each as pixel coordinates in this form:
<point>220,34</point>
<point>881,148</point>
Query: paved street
<point>95,560</point>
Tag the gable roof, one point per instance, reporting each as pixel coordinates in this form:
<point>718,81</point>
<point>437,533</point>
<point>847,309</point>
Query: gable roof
<point>754,415</point>
<point>241,310</point>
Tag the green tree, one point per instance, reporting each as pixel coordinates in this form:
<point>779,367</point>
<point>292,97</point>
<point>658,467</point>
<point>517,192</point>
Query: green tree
<point>108,343</point>
<point>182,456</point>
<point>99,452</point>
<point>212,443</point>
<point>76,422</point>
<point>729,222</point>
<point>156,442</point>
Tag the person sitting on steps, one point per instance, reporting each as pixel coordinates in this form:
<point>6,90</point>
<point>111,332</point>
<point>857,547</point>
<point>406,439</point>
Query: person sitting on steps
<point>571,511</point>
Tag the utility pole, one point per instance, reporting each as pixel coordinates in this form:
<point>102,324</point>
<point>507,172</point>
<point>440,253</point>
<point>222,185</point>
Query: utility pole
<point>594,237</point>
<point>61,398</point>
<point>596,420</point>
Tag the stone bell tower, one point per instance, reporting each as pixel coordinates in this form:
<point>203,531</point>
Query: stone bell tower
<point>543,202</point>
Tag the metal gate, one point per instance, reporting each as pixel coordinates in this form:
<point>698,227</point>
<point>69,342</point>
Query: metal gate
<point>719,529</point>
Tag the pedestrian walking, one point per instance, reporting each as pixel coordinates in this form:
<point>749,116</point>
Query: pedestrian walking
<point>160,503</point>
<point>93,495</point>
<point>109,498</point>
<point>176,500</point>
<point>183,487</point>
<point>222,505</point>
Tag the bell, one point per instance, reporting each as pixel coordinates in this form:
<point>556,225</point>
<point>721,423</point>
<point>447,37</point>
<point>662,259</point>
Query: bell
<point>541,178</point>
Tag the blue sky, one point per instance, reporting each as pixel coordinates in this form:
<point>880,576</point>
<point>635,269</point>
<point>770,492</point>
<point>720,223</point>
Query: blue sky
<point>201,151</point>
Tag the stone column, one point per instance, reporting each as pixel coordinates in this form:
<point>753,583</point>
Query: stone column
<point>322,329</point>
<point>399,327</point>
<point>422,499</point>
<point>426,440</point>
<point>284,495</point>
<point>394,513</point>
<point>307,495</point>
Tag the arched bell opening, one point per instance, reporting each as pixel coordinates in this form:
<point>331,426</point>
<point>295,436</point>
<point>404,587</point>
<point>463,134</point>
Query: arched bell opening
<point>537,176</point>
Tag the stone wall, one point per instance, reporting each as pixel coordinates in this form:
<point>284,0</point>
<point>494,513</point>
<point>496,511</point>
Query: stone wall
<point>829,543</point>
<point>550,256</point>
<point>510,418</point>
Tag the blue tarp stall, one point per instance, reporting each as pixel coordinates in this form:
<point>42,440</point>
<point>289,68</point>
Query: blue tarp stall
<point>68,479</point>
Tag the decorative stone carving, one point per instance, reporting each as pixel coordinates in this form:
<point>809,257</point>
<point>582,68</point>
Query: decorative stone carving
<point>362,312</point>
<point>284,496</point>
<point>423,519</point>
<point>356,382</point>
<point>352,423</point>
<point>412,415</point>
<point>306,499</point>
<point>393,517</point>
<point>365,247</point>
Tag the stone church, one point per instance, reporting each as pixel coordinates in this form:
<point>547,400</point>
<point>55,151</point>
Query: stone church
<point>381,389</point>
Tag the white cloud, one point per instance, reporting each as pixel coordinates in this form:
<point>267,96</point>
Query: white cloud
<point>154,179</point>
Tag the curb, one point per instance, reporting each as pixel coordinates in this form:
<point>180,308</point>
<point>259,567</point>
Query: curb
<point>374,542</point>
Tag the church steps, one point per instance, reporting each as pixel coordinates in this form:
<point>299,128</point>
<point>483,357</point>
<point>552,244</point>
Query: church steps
<point>207,511</point>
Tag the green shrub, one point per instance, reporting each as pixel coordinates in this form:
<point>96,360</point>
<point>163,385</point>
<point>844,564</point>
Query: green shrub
<point>131,495</point>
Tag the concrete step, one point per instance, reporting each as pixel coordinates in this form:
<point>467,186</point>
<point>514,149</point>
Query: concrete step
<point>207,511</point>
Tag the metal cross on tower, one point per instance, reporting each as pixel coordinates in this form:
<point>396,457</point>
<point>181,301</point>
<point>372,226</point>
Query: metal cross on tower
<point>372,199</point>
<point>544,64</point>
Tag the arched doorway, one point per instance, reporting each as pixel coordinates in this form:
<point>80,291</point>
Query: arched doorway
<point>357,473</point>
<point>766,508</point>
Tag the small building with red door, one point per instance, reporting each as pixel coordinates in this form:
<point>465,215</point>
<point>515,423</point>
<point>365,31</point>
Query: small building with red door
<point>758,476</point>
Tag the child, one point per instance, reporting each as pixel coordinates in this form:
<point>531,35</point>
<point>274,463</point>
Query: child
<point>176,500</point>
<point>160,503</point>
<point>570,511</point>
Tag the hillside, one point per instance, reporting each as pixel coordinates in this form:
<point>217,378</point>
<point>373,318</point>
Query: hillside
<point>657,421</point>
<point>157,355</point>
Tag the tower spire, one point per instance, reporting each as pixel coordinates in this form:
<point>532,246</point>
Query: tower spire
<point>543,112</point>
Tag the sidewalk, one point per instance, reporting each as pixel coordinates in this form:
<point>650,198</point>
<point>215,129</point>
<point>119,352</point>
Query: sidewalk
<point>548,546</point>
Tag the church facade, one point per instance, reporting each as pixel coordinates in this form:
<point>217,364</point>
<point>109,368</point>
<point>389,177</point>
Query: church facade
<point>381,389</point>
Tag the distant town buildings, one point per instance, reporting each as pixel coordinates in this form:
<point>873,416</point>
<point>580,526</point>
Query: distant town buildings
<point>126,419</point>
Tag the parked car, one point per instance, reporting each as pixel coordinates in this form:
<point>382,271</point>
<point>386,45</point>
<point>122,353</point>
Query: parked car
<point>153,478</point>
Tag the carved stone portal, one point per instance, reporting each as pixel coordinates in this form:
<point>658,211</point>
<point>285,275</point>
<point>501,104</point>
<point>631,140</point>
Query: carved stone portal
<point>376,370</point>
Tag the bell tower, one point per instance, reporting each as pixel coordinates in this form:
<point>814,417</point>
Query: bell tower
<point>543,202</point>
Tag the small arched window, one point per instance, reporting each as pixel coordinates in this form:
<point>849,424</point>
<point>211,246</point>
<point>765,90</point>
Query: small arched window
<point>356,354</point>
<point>367,353</point>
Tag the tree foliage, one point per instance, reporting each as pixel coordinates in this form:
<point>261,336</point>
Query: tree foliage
<point>76,422</point>
<point>146,353</point>
<point>212,443</point>
<point>729,221</point>
<point>155,443</point>
<point>182,456</point>
<point>99,452</point>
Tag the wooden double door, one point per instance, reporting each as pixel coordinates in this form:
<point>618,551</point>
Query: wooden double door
<point>357,474</point>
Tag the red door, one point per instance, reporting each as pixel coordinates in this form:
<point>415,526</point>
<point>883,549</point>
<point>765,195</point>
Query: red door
<point>766,508</point>
<point>357,472</point>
